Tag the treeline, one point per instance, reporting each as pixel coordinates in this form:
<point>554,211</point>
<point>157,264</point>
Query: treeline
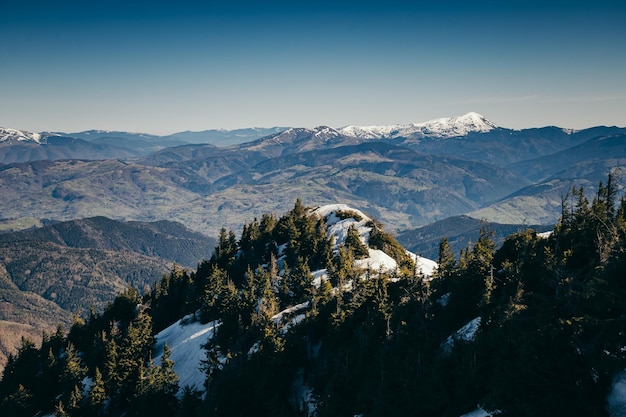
<point>551,338</point>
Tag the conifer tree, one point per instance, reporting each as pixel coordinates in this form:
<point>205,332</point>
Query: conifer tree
<point>157,391</point>
<point>446,261</point>
<point>214,284</point>
<point>354,243</point>
<point>343,267</point>
<point>97,394</point>
<point>299,282</point>
<point>72,374</point>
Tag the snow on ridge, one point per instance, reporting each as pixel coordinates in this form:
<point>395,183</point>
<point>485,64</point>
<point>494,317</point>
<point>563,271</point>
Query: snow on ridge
<point>377,259</point>
<point>445,127</point>
<point>14,135</point>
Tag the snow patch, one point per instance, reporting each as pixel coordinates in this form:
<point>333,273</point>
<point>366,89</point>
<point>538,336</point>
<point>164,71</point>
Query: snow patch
<point>337,227</point>
<point>13,135</point>
<point>304,397</point>
<point>466,333</point>
<point>378,261</point>
<point>186,339</point>
<point>616,401</point>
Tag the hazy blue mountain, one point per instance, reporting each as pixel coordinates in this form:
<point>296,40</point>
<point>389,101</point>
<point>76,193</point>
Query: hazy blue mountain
<point>460,231</point>
<point>146,143</point>
<point>222,137</point>
<point>56,148</point>
<point>611,148</point>
<point>162,239</point>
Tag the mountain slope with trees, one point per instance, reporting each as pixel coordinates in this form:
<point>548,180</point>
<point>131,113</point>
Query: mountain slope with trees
<point>302,324</point>
<point>51,273</point>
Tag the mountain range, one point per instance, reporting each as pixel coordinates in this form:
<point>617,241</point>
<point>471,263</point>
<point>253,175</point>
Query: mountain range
<point>407,175</point>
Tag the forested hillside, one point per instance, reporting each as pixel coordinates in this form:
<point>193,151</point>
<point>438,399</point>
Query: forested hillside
<point>50,273</point>
<point>321,312</point>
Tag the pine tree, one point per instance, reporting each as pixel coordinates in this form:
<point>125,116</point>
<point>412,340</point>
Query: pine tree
<point>158,389</point>
<point>226,250</point>
<point>354,243</point>
<point>74,400</point>
<point>72,374</point>
<point>112,375</point>
<point>214,284</point>
<point>97,395</point>
<point>446,260</point>
<point>299,282</point>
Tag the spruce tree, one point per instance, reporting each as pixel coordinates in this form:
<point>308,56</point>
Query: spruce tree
<point>354,243</point>
<point>97,395</point>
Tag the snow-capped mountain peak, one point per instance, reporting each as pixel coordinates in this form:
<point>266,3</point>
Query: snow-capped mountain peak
<point>445,127</point>
<point>13,135</point>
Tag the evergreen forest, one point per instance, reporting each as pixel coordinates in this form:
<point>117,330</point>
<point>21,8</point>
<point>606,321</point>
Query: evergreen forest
<point>548,310</point>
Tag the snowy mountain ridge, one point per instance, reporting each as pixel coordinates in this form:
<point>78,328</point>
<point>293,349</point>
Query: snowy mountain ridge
<point>445,127</point>
<point>14,135</point>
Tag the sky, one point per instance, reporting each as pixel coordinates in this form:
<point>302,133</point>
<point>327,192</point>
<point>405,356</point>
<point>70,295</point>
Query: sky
<point>167,66</point>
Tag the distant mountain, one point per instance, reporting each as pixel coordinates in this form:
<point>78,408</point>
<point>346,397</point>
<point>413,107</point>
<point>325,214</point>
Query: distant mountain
<point>416,174</point>
<point>460,231</point>
<point>446,127</point>
<point>162,239</point>
<point>584,165</point>
<point>401,186</point>
<point>222,137</point>
<point>146,143</point>
<point>14,136</point>
<point>597,149</point>
<point>140,143</point>
<point>20,146</point>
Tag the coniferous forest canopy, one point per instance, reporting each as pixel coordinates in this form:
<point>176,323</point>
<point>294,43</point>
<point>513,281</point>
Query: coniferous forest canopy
<point>550,311</point>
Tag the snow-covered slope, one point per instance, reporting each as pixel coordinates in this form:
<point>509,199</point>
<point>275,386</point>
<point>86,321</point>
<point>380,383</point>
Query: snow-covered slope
<point>186,339</point>
<point>13,135</point>
<point>445,127</point>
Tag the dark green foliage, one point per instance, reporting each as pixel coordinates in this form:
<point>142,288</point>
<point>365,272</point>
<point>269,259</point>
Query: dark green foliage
<point>169,300</point>
<point>157,389</point>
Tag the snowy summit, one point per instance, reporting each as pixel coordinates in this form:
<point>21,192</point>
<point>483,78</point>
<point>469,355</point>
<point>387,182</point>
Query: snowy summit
<point>446,127</point>
<point>377,259</point>
<point>13,135</point>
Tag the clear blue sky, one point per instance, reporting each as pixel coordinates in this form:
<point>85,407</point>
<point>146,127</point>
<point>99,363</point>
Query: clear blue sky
<point>161,67</point>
